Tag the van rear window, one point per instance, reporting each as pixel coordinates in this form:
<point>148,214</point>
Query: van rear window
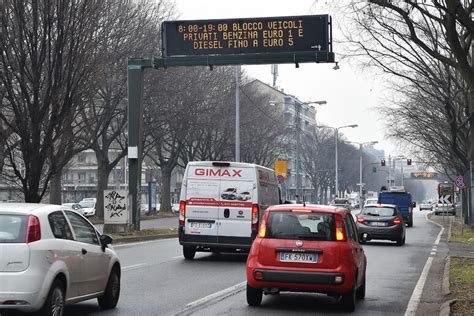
<point>307,226</point>
<point>12,228</point>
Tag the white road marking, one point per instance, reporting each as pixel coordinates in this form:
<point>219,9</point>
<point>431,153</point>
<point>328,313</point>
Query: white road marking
<point>215,296</point>
<point>134,266</point>
<point>142,242</point>
<point>416,295</point>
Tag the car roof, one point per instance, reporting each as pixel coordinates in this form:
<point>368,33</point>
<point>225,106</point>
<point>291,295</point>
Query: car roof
<point>381,205</point>
<point>26,208</point>
<point>313,207</point>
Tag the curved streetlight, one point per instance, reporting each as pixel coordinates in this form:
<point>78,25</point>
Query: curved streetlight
<point>336,136</point>
<point>360,166</point>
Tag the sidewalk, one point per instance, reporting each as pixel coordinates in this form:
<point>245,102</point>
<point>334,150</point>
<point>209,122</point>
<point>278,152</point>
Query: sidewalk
<point>449,288</point>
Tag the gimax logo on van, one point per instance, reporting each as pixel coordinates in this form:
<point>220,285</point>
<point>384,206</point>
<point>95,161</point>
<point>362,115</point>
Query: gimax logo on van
<point>217,172</point>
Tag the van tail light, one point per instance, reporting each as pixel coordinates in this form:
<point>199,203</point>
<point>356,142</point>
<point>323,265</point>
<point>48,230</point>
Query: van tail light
<point>33,230</point>
<point>255,216</point>
<point>360,219</point>
<point>397,220</point>
<point>182,212</point>
<point>263,230</point>
<point>340,231</point>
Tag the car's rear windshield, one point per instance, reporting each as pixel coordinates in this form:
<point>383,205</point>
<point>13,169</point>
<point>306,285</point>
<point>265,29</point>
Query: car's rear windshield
<point>379,211</point>
<point>341,201</point>
<point>13,228</point>
<point>86,204</point>
<point>298,225</point>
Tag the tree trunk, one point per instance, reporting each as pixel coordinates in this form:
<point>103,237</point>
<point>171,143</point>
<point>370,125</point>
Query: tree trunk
<point>102,184</point>
<point>55,189</point>
<point>165,190</point>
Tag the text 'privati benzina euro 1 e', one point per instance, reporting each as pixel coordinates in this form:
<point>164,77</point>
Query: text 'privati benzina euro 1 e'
<point>243,34</point>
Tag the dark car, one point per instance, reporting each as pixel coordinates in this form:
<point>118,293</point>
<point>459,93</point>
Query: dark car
<point>229,194</point>
<point>381,221</point>
<point>307,248</point>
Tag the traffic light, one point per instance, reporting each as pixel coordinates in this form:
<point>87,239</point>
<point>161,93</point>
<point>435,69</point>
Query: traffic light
<point>409,162</point>
<point>382,162</point>
<point>374,169</point>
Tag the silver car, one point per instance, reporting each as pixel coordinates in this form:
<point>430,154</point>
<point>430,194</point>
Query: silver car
<point>52,256</point>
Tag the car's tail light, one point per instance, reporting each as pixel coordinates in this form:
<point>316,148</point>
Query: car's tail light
<point>33,230</point>
<point>263,230</point>
<point>254,216</point>
<point>360,219</point>
<point>397,220</point>
<point>182,212</point>
<point>340,231</point>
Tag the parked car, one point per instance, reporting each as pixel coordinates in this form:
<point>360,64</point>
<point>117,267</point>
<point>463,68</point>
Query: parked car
<point>341,202</point>
<point>307,248</point>
<point>51,257</point>
<point>88,207</point>
<point>175,207</point>
<point>75,206</point>
<point>382,221</point>
<point>426,205</point>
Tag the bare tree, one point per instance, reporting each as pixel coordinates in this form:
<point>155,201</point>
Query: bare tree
<point>421,42</point>
<point>48,55</point>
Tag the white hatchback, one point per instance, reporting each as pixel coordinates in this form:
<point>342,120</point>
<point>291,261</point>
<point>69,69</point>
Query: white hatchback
<point>52,256</point>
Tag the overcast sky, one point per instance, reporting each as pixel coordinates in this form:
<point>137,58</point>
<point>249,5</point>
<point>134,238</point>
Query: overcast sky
<point>351,94</point>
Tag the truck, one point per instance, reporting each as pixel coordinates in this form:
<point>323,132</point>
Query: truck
<point>398,196</point>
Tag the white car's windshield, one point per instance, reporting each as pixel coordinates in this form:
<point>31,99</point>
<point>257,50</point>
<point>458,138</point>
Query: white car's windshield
<point>86,204</point>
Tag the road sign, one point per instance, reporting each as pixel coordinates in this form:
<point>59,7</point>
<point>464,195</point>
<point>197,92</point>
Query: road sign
<point>445,199</point>
<point>459,182</point>
<point>270,35</point>
<point>424,175</point>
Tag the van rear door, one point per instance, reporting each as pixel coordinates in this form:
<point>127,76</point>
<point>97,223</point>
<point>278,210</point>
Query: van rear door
<point>202,202</point>
<point>238,188</point>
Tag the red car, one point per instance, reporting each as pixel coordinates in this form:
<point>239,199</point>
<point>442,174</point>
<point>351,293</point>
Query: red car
<point>307,248</point>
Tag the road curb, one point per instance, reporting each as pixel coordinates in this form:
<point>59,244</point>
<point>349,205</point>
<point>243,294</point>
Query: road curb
<point>126,240</point>
<point>445,290</point>
<point>445,309</point>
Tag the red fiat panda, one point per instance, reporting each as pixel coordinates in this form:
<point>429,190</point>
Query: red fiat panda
<point>307,248</point>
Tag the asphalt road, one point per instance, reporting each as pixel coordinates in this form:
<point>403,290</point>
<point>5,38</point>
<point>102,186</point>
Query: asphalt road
<point>156,280</point>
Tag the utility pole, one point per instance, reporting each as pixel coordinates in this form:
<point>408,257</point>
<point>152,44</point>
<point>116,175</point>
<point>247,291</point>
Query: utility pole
<point>298,145</point>
<point>237,113</point>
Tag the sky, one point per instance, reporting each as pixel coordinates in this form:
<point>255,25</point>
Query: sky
<point>351,94</point>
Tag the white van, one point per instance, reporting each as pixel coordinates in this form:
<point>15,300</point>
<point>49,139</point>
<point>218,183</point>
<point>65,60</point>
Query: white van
<point>221,204</point>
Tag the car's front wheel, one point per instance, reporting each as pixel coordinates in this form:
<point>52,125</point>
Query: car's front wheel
<point>112,291</point>
<point>254,296</point>
<point>54,304</point>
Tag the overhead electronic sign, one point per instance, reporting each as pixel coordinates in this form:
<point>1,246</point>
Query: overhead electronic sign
<point>290,34</point>
<point>424,175</point>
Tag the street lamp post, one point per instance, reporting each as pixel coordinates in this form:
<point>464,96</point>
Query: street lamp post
<point>360,167</point>
<point>298,143</point>
<point>336,163</point>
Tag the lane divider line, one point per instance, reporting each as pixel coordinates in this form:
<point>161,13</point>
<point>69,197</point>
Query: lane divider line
<point>134,266</point>
<point>214,297</point>
<point>416,295</point>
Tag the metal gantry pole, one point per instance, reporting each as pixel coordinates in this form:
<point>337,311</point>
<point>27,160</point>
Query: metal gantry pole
<point>237,113</point>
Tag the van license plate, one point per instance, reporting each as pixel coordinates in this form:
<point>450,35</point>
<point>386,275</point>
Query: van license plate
<point>298,257</point>
<point>200,225</point>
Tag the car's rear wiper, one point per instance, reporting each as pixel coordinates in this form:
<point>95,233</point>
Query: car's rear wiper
<point>372,214</point>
